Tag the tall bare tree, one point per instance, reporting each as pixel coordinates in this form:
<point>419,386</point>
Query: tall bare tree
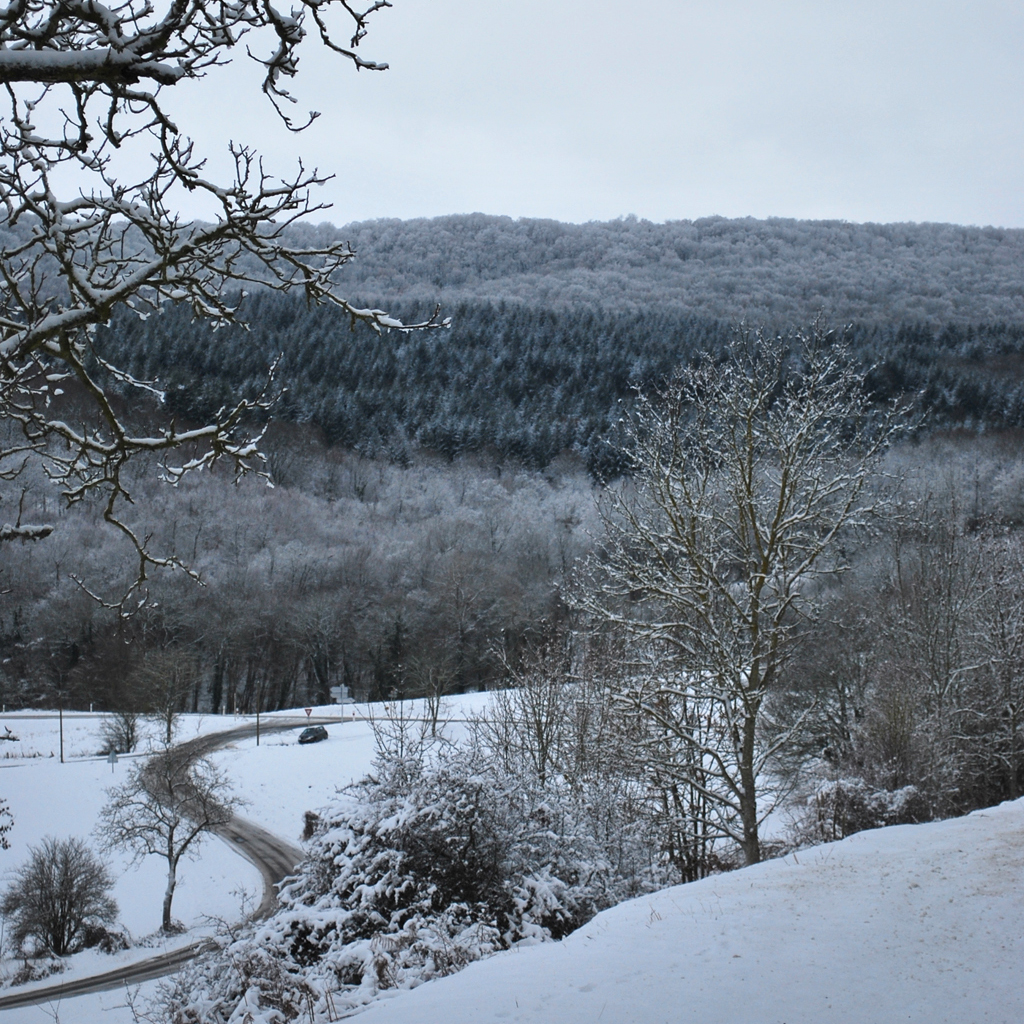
<point>749,471</point>
<point>84,233</point>
<point>1002,644</point>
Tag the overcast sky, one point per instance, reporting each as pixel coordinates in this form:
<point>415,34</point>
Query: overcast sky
<point>585,109</point>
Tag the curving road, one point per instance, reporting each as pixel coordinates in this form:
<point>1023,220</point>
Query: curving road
<point>274,857</point>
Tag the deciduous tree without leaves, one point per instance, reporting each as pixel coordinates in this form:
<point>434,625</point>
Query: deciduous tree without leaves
<point>167,807</point>
<point>57,894</point>
<point>748,471</point>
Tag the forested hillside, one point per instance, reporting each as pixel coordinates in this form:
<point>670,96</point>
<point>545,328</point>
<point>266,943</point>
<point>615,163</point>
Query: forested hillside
<point>523,382</point>
<point>774,270</point>
<point>354,572</point>
<point>435,490</point>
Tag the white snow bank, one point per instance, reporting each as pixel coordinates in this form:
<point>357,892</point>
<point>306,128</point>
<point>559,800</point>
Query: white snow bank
<point>917,923</point>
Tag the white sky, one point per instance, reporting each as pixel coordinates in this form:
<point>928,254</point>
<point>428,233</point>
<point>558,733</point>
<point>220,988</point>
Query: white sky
<point>588,109</point>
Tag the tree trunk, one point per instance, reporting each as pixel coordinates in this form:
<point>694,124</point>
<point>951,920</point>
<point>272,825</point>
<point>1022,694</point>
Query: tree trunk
<point>217,692</point>
<point>172,870</point>
<point>748,795</point>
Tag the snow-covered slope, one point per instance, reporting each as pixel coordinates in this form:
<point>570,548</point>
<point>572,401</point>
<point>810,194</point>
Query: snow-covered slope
<point>917,923</point>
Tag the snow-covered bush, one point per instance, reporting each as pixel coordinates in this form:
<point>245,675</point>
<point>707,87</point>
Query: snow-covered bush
<point>436,860</point>
<point>841,807</point>
<point>37,970</point>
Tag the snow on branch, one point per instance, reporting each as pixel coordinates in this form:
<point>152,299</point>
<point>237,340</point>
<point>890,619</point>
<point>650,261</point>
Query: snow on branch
<point>35,531</point>
<point>71,96</point>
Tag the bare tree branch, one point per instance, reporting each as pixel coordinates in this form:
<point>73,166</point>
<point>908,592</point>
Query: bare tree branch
<point>81,80</point>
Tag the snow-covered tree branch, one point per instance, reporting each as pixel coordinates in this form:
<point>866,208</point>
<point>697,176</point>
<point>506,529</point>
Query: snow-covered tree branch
<point>748,473</point>
<point>84,233</point>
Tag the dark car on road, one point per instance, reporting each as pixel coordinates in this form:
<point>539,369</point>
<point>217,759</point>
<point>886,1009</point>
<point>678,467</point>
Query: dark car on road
<point>314,734</point>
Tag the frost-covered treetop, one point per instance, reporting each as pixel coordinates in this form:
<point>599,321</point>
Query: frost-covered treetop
<point>90,45</point>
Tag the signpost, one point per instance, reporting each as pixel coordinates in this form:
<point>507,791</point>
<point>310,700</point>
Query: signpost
<point>112,758</point>
<point>340,695</point>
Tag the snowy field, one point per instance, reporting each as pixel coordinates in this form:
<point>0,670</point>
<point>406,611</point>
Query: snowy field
<point>48,798</point>
<point>38,733</point>
<point>279,780</point>
<point>916,923</point>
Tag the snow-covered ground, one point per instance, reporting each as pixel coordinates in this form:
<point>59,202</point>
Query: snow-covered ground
<point>38,733</point>
<point>920,923</point>
<point>280,780</point>
<point>916,923</point>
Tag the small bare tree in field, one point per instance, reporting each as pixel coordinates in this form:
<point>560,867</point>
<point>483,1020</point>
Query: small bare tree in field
<point>748,474</point>
<point>120,732</point>
<point>169,804</point>
<point>165,683</point>
<point>84,233</point>
<point>58,894</point>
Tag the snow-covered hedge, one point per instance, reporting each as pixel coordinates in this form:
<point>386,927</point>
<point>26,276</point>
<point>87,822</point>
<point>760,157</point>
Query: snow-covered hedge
<point>432,862</point>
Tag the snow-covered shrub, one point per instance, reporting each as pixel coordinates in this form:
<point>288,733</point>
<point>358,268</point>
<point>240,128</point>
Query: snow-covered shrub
<point>37,970</point>
<point>841,807</point>
<point>106,940</point>
<point>434,861</point>
<point>243,982</point>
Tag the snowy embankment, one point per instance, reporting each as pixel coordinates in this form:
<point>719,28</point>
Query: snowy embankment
<point>919,923</point>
